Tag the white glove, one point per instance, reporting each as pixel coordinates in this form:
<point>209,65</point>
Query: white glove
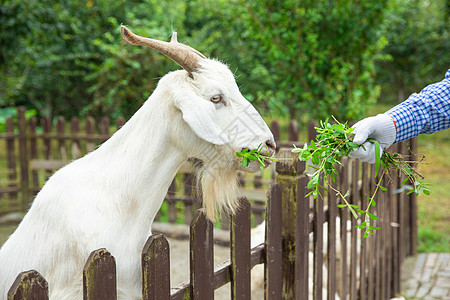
<point>381,128</point>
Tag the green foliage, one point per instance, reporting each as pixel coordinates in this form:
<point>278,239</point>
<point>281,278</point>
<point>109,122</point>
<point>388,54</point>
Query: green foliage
<point>418,32</point>
<point>334,141</point>
<point>67,57</point>
<point>248,156</point>
<point>302,57</point>
<point>432,241</point>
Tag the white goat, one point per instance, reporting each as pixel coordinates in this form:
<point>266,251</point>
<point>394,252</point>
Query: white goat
<point>109,198</point>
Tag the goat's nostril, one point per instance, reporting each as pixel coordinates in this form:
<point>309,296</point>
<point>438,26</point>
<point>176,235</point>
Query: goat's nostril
<point>271,146</point>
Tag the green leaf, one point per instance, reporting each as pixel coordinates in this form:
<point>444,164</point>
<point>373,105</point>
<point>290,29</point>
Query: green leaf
<point>377,157</point>
<point>383,188</point>
<point>245,162</point>
<point>373,217</point>
<point>342,205</point>
<point>373,228</point>
<point>353,145</point>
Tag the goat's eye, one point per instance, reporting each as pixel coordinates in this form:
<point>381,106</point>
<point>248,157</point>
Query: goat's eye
<point>216,98</point>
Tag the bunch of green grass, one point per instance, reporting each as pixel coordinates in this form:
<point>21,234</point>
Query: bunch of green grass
<point>334,141</point>
<point>255,155</point>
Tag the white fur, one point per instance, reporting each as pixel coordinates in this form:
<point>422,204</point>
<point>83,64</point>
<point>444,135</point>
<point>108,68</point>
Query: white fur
<point>109,198</point>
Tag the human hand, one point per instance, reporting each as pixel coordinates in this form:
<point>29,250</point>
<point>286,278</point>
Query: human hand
<point>381,128</point>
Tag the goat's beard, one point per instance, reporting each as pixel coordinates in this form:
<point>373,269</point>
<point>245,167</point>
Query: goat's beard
<point>219,188</point>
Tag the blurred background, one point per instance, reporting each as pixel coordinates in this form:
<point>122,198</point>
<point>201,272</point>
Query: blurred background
<point>302,60</point>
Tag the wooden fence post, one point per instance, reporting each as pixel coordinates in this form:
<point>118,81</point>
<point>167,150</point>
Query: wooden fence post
<point>23,156</point>
<point>11,156</point>
<point>302,239</point>
<point>99,276</point>
<point>29,285</point>
<point>201,257</point>
<point>413,206</point>
<point>312,133</point>
<point>273,284</point>
<point>275,128</point>
<point>318,247</point>
<point>293,131</point>
<point>343,213</point>
<point>287,178</point>
<point>240,251</point>
<point>156,268</point>
<point>331,243</point>
<point>32,125</point>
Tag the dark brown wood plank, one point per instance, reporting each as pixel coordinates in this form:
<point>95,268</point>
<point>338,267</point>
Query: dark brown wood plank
<point>120,122</point>
<point>386,227</point>
<point>318,247</point>
<point>275,128</point>
<point>99,276</point>
<point>156,268</point>
<point>104,127</point>
<point>354,199</point>
<point>172,212</point>
<point>32,124</point>
<point>201,257</point>
<point>60,128</point>
<point>302,239</point>
<point>312,133</point>
<point>287,179</point>
<point>240,251</point>
<point>343,213</point>
<point>23,158</point>
<point>273,268</point>
<point>76,145</point>
<point>331,243</point>
<point>371,247</point>
<point>363,253</point>
<point>188,192</point>
<point>11,157</point>
<point>293,130</point>
<point>90,130</point>
<point>413,205</point>
<point>29,285</point>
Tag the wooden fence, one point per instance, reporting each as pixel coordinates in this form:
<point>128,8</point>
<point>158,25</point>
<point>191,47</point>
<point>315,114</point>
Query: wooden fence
<point>357,268</point>
<point>34,150</point>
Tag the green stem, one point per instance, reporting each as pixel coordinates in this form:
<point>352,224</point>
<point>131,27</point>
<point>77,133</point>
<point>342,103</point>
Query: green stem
<point>366,214</point>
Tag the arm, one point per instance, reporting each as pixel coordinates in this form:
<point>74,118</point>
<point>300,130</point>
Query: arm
<point>425,112</point>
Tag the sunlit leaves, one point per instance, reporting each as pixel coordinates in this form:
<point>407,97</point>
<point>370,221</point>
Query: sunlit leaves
<point>335,141</point>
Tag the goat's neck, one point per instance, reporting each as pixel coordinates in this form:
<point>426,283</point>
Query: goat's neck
<point>143,161</point>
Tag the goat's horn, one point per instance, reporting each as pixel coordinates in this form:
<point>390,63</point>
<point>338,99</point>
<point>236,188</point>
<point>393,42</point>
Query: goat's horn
<point>186,57</point>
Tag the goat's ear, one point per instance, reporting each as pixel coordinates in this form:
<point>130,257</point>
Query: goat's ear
<point>199,115</point>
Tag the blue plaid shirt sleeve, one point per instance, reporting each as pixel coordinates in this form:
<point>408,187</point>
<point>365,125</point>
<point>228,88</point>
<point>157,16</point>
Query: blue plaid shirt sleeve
<point>425,112</point>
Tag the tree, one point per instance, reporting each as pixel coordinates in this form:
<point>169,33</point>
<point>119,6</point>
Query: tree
<point>301,57</point>
<point>418,32</point>
<point>67,58</point>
